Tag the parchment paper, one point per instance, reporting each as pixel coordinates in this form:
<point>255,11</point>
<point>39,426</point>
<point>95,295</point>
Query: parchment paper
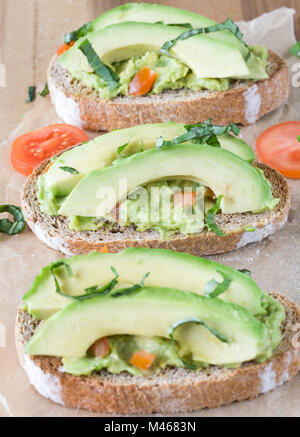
<point>274,263</point>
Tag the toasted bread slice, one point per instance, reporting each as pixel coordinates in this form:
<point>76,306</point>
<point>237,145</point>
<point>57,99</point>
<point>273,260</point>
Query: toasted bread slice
<point>55,232</point>
<point>171,391</point>
<point>244,103</point>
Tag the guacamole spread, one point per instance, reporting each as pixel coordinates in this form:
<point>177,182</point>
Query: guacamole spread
<point>122,348</point>
<point>172,74</point>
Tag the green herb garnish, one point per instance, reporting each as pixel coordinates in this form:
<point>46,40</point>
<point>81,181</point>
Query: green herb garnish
<point>76,34</point>
<point>249,229</point>
<point>187,25</point>
<point>298,138</point>
<point>245,272</point>
<point>210,218</point>
<point>175,325</point>
<point>102,70</point>
<point>200,133</point>
<point>226,25</point>
<point>131,289</point>
<point>121,148</point>
<point>214,288</point>
<point>31,94</point>
<point>295,50</point>
<point>69,169</point>
<point>15,227</point>
<point>45,91</point>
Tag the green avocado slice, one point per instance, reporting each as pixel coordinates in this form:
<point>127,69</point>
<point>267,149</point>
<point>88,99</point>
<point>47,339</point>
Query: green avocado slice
<point>167,269</point>
<point>153,13</point>
<point>102,151</point>
<point>243,187</point>
<point>122,41</point>
<point>230,334</point>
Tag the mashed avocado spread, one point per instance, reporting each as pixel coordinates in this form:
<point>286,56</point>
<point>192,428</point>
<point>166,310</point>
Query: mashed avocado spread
<point>122,347</point>
<point>172,74</point>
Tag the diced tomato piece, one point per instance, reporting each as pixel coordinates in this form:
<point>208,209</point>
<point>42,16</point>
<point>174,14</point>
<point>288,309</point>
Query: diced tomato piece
<point>142,82</point>
<point>100,348</point>
<point>64,48</point>
<point>104,249</point>
<point>186,198</point>
<point>142,359</point>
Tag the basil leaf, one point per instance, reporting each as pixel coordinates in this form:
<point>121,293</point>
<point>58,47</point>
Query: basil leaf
<point>131,289</point>
<point>298,138</point>
<point>121,148</point>
<point>45,91</point>
<point>55,266</point>
<point>69,169</point>
<point>226,25</point>
<point>175,325</point>
<point>201,133</point>
<point>15,227</point>
<point>249,229</point>
<point>210,219</point>
<point>295,50</point>
<point>102,70</point>
<point>245,272</point>
<point>76,34</point>
<point>214,288</point>
<point>31,94</point>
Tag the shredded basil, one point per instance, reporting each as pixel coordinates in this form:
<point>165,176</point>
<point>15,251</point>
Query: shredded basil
<point>131,289</point>
<point>295,50</point>
<point>250,229</point>
<point>187,25</point>
<point>175,325</point>
<point>200,133</point>
<point>298,138</point>
<point>102,70</point>
<point>76,34</point>
<point>226,25</point>
<point>45,91</point>
<point>69,169</point>
<point>214,288</point>
<point>121,148</point>
<point>210,219</point>
<point>31,94</point>
<point>245,272</point>
<point>18,225</point>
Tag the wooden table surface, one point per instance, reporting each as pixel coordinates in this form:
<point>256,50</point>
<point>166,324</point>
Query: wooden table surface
<point>31,30</point>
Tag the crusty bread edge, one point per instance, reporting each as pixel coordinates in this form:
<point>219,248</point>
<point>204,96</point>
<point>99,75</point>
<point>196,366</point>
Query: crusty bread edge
<point>241,105</point>
<point>162,396</point>
<point>204,243</point>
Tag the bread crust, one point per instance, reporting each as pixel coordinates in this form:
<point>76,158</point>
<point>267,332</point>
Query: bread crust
<point>55,233</point>
<point>174,390</point>
<point>244,103</point>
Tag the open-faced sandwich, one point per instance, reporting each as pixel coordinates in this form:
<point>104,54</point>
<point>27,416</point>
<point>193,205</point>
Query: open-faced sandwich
<point>149,330</point>
<point>191,188</point>
<point>147,63</point>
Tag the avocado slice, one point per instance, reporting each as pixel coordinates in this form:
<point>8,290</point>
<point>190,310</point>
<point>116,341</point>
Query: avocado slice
<point>120,42</point>
<point>153,13</point>
<point>102,151</point>
<point>151,312</point>
<point>244,187</point>
<point>167,269</point>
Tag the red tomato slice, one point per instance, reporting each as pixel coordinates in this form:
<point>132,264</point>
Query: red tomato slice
<point>187,198</point>
<point>142,82</point>
<point>279,147</point>
<point>30,149</point>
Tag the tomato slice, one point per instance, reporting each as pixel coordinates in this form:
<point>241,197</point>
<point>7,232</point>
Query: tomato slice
<point>187,198</point>
<point>279,147</point>
<point>142,82</point>
<point>30,149</point>
<point>64,48</point>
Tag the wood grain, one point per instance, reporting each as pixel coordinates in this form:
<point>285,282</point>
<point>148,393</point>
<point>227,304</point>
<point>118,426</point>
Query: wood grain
<point>31,30</point>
